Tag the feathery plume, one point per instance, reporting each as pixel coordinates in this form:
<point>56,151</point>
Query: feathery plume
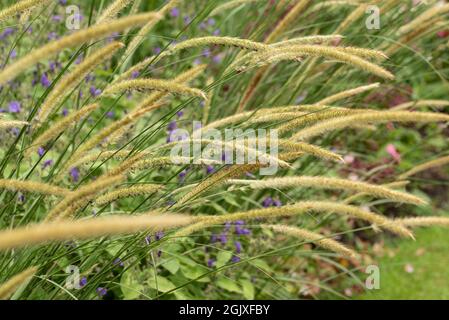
<point>393,185</point>
<point>296,52</point>
<point>348,93</point>
<point>100,136</point>
<point>33,186</point>
<point>6,124</point>
<point>307,40</point>
<point>313,237</point>
<point>127,192</point>
<point>296,209</point>
<point>10,286</point>
<point>141,34</point>
<point>85,229</point>
<point>369,117</point>
<point>170,161</point>
<point>71,202</point>
<point>331,183</point>
<point>282,25</point>
<point>69,81</point>
<point>421,103</point>
<point>154,84</point>
<point>183,78</point>
<point>60,126</point>
<point>229,5</point>
<point>310,118</point>
<point>424,221</point>
<point>215,179</point>
<point>19,7</point>
<point>102,156</point>
<point>424,17</point>
<point>74,39</point>
<point>425,166</point>
<point>111,12</point>
<point>244,44</point>
<point>354,16</point>
<point>299,7</point>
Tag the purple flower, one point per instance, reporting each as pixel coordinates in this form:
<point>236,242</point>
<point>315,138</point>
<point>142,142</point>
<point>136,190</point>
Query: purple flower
<point>267,202</point>
<point>21,197</point>
<point>238,247</point>
<point>62,2</point>
<point>159,235</point>
<point>159,253</point>
<point>90,77</point>
<point>174,12</point>
<point>14,107</point>
<point>56,18</point>
<point>83,282</point>
<point>52,36</point>
<point>235,259</point>
<point>75,174</point>
<point>187,19</point>
<point>110,114</point>
<point>211,21</point>
<point>210,263</point>
<point>13,54</point>
<point>277,203</point>
<point>210,169</point>
<point>15,131</point>
<point>135,74</point>
<point>94,91</point>
<point>65,112</point>
<point>52,66</point>
<point>157,50</point>
<point>223,238</point>
<point>180,113</point>
<point>47,163</point>
<point>44,80</point>
<point>78,16</point>
<point>241,231</point>
<point>213,238</point>
<point>172,126</point>
<point>206,52</point>
<point>148,240</point>
<point>217,58</point>
<point>6,33</point>
<point>239,223</point>
<point>40,151</point>
<point>182,176</point>
<point>102,291</point>
<point>118,262</point>
<point>197,125</point>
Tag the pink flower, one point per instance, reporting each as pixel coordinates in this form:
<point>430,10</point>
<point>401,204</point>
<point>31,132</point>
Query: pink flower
<point>443,34</point>
<point>391,149</point>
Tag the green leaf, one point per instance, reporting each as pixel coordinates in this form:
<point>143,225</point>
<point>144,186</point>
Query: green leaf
<point>129,285</point>
<point>194,272</point>
<point>261,264</point>
<point>222,258</point>
<point>172,265</point>
<point>248,289</point>
<point>228,285</point>
<point>163,284</point>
